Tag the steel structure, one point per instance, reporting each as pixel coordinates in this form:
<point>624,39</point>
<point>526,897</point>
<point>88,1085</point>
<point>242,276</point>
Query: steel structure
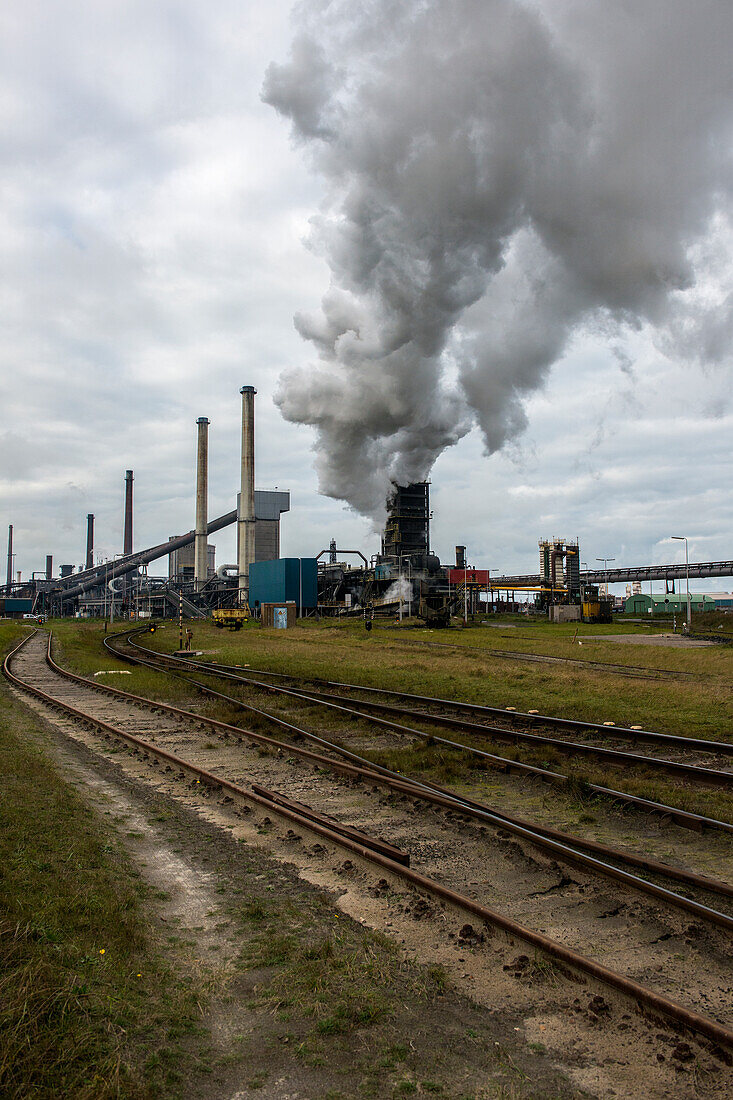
<point>629,573</point>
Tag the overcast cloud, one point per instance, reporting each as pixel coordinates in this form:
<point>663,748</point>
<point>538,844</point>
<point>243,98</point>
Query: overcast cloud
<point>159,233</point>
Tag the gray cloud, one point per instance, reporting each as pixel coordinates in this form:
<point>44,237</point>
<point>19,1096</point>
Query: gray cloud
<point>499,176</point>
<point>151,263</point>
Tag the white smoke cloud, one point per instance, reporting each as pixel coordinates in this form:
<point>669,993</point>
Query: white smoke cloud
<point>499,175</point>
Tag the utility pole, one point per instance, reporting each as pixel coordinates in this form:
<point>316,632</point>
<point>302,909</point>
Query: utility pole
<point>682,538</point>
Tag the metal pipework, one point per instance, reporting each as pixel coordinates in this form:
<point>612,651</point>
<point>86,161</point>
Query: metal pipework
<point>333,549</point>
<point>10,559</point>
<point>127,543</point>
<point>201,564</point>
<point>246,520</point>
<point>81,584</point>
<point>90,541</point>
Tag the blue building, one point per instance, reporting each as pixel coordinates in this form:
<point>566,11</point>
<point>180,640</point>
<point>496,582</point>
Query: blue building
<point>284,579</point>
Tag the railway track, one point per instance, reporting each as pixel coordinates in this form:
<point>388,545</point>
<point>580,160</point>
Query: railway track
<point>355,706</point>
<point>448,857</point>
<point>640,672</point>
<point>506,714</point>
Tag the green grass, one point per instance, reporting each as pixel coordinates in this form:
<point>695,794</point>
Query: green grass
<point>88,1006</point>
<point>394,659</point>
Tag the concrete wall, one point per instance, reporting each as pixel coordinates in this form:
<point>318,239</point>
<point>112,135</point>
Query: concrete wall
<point>565,613</point>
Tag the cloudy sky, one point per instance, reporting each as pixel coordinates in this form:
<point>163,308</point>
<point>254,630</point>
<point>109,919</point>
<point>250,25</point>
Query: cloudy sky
<point>180,181</point>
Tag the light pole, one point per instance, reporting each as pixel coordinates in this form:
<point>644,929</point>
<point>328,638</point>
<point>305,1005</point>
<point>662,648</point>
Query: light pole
<point>682,538</point>
<point>605,569</point>
<point>583,565</point>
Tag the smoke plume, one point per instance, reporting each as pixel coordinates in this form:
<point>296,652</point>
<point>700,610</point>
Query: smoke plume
<point>499,174</point>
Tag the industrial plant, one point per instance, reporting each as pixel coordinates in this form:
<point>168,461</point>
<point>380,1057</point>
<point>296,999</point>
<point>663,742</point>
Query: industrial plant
<point>406,579</point>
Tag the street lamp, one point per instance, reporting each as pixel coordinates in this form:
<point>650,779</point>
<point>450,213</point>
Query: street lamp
<point>605,568</point>
<point>682,538</point>
<point>583,565</point>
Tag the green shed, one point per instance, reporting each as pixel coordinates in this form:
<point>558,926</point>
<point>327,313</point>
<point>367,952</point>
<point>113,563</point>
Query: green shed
<point>669,604</point>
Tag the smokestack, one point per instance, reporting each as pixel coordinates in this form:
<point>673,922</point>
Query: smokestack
<point>49,567</point>
<point>90,541</point>
<point>246,518</point>
<point>10,557</point>
<point>127,544</point>
<point>201,562</point>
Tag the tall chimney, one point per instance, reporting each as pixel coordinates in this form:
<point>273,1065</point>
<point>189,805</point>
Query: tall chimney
<point>201,559</point>
<point>90,541</point>
<point>127,545</point>
<point>10,557</point>
<point>246,518</point>
<point>49,567</point>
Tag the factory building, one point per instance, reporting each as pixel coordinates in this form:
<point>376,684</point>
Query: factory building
<point>560,569</point>
<point>723,600</point>
<point>269,506</point>
<point>407,530</point>
<point>286,580</point>
<point>182,562</point>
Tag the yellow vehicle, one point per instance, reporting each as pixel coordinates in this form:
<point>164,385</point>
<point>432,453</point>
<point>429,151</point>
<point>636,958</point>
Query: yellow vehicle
<point>232,617</point>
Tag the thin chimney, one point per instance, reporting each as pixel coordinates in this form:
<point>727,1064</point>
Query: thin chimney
<point>246,518</point>
<point>10,557</point>
<point>90,541</point>
<point>201,559</point>
<point>127,544</point>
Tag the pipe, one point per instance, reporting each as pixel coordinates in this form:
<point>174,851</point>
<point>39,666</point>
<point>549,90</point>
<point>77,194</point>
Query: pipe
<point>127,543</point>
<point>366,563</point>
<point>225,570</point>
<point>143,557</point>
<point>201,564</point>
<point>49,567</point>
<point>90,541</point>
<point>10,559</point>
<point>246,524</point>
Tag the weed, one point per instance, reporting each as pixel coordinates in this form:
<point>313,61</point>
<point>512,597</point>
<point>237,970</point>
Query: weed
<point>88,1007</point>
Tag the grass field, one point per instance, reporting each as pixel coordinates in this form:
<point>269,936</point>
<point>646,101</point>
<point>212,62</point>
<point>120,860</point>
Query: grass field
<point>462,668</point>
